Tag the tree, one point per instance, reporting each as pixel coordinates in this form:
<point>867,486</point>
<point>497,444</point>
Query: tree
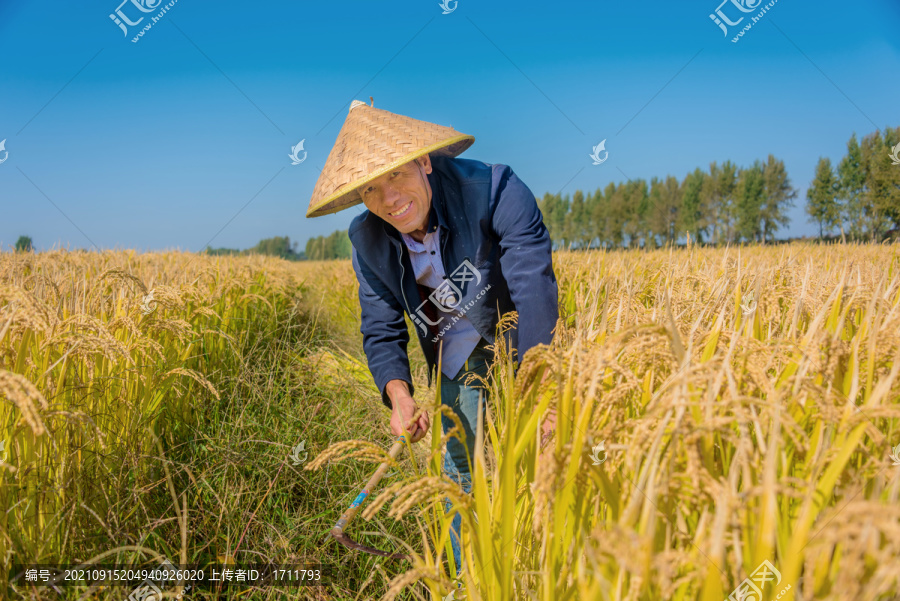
<point>23,244</point>
<point>334,246</point>
<point>778,194</point>
<point>277,247</point>
<point>594,211</point>
<point>637,198</point>
<point>554,208</point>
<point>614,230</point>
<point>749,199</point>
<point>852,181</point>
<point>887,177</point>
<point>880,197</point>
<point>822,197</point>
<point>693,216</point>
<point>665,205</point>
<point>577,221</point>
<point>718,195</point>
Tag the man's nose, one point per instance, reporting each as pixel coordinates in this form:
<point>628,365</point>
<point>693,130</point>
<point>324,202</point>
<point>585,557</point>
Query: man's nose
<point>391,194</point>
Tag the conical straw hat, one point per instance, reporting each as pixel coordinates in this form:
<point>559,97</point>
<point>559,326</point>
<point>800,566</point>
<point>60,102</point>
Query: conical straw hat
<point>371,143</point>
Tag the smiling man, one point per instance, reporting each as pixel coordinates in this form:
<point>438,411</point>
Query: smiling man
<point>452,243</point>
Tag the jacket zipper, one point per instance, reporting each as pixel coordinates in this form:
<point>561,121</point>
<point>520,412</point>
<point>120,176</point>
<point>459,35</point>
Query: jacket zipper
<point>403,293</point>
<point>443,238</point>
<point>402,274</point>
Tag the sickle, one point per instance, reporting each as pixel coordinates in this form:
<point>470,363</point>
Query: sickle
<point>338,530</point>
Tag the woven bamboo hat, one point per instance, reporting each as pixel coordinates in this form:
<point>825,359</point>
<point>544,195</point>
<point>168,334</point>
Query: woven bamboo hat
<point>371,143</point>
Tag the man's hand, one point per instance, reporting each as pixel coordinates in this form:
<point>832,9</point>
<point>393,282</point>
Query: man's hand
<point>404,408</point>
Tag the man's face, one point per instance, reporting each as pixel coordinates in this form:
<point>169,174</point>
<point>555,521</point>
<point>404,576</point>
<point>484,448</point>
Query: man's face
<point>401,197</point>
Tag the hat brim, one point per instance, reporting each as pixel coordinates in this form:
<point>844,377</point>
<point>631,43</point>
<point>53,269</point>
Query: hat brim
<point>348,195</point>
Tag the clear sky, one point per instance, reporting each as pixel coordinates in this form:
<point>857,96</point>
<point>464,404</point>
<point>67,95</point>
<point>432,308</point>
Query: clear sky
<point>182,138</point>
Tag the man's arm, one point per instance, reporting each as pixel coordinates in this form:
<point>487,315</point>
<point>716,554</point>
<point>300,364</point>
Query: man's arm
<point>525,258</point>
<point>384,332</point>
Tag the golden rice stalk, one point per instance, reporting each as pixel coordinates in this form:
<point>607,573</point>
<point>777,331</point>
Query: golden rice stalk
<point>118,273</point>
<point>383,497</point>
<point>400,582</point>
<point>206,312</point>
<point>165,296</point>
<point>430,491</point>
<point>45,280</point>
<point>23,311</point>
<point>181,329</point>
<point>126,323</point>
<point>257,297</point>
<point>196,376</point>
<point>25,396</point>
<point>88,345</point>
<point>143,346</point>
<point>359,449</point>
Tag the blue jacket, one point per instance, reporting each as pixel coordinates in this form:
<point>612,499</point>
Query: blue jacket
<point>495,248</point>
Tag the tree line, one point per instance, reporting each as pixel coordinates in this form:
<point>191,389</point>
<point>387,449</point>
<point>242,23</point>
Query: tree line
<point>333,246</point>
<point>728,203</point>
<point>861,196</point>
<point>279,246</point>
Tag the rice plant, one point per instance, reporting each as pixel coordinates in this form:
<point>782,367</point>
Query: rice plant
<point>718,410</point>
<point>725,419</point>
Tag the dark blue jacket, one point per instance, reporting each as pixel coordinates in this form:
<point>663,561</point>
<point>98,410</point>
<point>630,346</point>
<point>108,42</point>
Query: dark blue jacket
<point>488,220</point>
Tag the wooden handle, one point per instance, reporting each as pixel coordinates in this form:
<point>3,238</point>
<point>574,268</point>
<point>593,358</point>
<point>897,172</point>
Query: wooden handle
<point>348,515</point>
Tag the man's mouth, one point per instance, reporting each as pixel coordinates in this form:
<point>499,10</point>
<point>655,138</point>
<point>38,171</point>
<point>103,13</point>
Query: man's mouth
<point>401,212</point>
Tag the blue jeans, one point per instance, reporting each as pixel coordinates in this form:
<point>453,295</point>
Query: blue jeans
<point>464,401</point>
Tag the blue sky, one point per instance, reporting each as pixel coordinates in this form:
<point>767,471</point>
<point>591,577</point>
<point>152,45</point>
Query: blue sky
<point>182,139</point>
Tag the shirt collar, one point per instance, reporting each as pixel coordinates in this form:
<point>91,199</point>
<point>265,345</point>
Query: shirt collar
<point>430,229</point>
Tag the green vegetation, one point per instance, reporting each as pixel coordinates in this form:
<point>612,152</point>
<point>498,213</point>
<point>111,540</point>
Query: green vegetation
<point>730,204</point>
<point>861,197</point>
<point>278,246</point>
<point>334,246</point>
<point>727,204</point>
<point>130,431</point>
<point>318,248</point>
<point>23,244</point>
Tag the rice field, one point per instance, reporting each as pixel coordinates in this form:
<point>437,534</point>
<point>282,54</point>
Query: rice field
<point>726,420</point>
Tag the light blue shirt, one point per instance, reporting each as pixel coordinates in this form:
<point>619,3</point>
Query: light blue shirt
<point>461,338</point>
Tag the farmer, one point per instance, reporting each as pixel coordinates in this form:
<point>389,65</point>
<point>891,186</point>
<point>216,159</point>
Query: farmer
<point>452,243</point>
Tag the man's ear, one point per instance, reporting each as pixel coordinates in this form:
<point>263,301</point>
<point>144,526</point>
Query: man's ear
<point>425,162</point>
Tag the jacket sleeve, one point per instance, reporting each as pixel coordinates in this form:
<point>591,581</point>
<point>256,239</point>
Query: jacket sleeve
<point>525,258</point>
<point>384,330</point>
